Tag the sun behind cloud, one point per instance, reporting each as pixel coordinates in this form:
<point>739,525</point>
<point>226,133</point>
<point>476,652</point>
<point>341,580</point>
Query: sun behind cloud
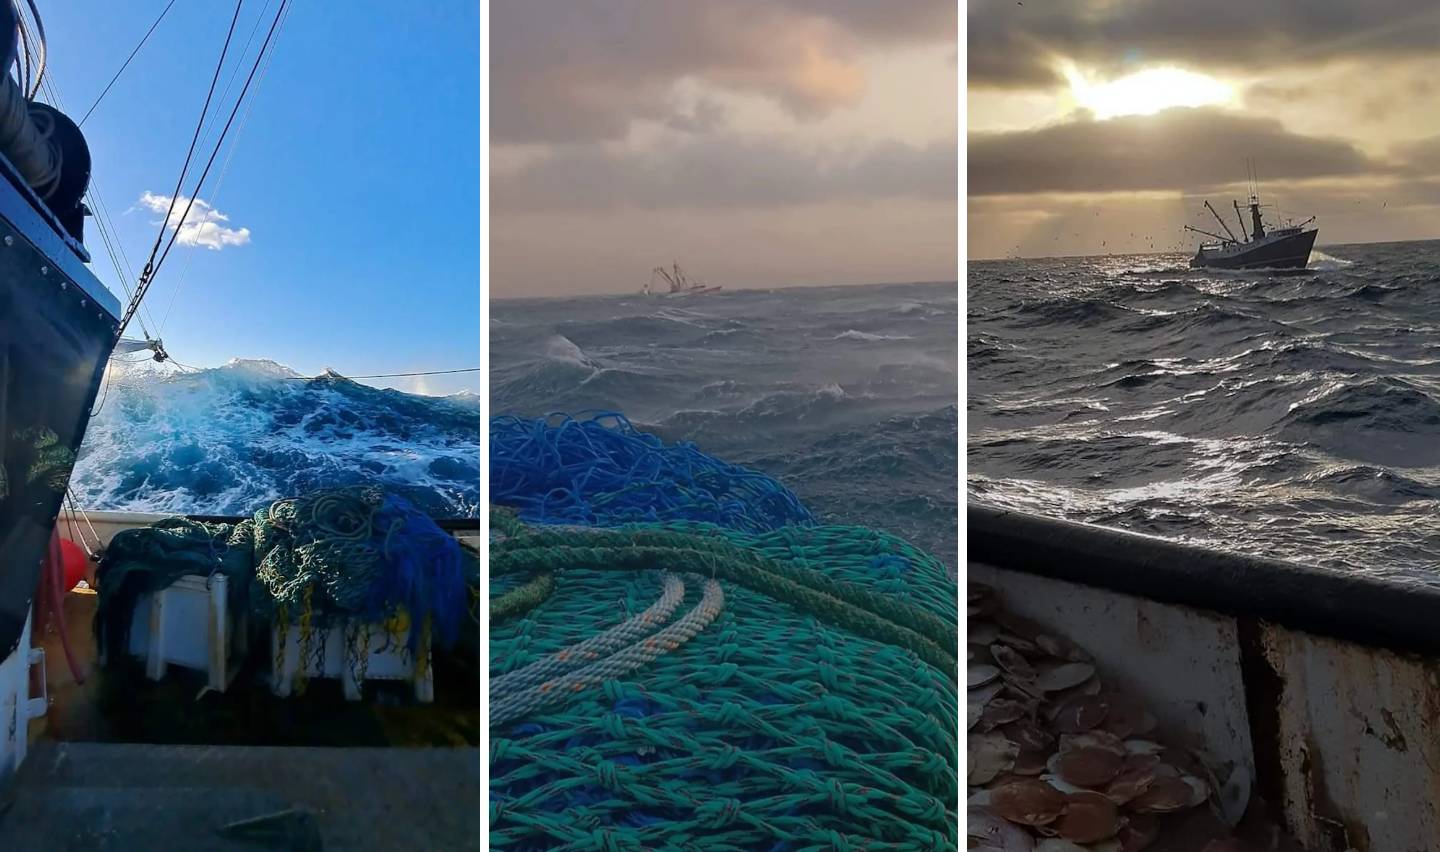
<point>1146,92</point>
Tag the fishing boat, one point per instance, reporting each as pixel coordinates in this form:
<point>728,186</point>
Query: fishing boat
<point>1310,692</point>
<point>678,282</point>
<point>218,752</point>
<point>1285,247</point>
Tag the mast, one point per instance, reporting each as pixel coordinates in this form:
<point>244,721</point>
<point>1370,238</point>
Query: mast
<point>1239,217</point>
<point>1258,231</point>
<point>1221,221</point>
<point>663,274</point>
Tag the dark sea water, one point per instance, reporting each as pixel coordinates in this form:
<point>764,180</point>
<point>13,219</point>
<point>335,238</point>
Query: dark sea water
<point>1291,415</point>
<point>227,441</point>
<point>846,394</point>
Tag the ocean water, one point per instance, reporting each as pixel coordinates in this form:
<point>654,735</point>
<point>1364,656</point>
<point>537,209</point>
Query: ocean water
<point>846,394</point>
<point>227,441</point>
<point>1291,415</point>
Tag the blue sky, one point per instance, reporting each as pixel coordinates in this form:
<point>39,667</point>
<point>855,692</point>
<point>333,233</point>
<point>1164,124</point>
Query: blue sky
<point>357,177</point>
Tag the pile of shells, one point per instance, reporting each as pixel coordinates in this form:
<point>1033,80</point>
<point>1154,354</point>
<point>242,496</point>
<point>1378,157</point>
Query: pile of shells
<point>1058,762</point>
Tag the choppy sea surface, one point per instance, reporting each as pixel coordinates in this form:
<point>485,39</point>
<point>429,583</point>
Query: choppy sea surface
<point>846,394</point>
<point>229,440</point>
<point>1294,415</point>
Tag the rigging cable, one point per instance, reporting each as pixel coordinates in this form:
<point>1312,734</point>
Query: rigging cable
<point>126,64</point>
<point>40,49</point>
<point>147,275</point>
<point>223,132</point>
<point>235,143</point>
<point>153,265</point>
<point>22,69</point>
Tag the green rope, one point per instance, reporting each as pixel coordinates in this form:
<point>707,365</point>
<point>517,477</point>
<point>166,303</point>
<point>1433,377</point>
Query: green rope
<point>815,709</point>
<point>521,600</point>
<point>753,572</point>
<point>504,522</point>
<point>731,546</point>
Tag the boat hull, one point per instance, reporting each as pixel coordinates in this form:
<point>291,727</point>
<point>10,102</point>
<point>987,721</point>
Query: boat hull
<point>1292,252</point>
<point>1307,683</point>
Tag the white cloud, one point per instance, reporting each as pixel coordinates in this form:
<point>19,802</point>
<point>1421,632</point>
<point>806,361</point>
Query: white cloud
<point>202,227</point>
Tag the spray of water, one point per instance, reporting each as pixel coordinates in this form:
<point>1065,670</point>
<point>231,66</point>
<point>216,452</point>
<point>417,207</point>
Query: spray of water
<point>1323,262</point>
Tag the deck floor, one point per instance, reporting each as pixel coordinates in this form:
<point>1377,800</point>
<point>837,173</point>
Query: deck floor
<point>123,797</point>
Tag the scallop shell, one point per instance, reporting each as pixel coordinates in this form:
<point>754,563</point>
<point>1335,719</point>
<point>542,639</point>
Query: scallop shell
<point>1080,713</point>
<point>1062,785</point>
<point>985,692</point>
<point>1125,717</point>
<point>1002,711</point>
<point>1028,802</point>
<point>1089,817</point>
<point>1165,794</point>
<point>1030,736</point>
<point>990,833</point>
<point>989,755</point>
<point>1030,762</point>
<point>1135,778</point>
<point>1062,649</point>
<point>979,675</point>
<point>1095,739</point>
<point>1012,662</point>
<point>1087,767</point>
<point>1143,747</point>
<point>1064,676</point>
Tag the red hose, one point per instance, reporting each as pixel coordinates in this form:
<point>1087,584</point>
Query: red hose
<point>51,581</point>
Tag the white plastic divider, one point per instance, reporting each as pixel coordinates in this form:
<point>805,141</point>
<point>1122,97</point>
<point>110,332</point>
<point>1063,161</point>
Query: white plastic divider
<point>190,625</point>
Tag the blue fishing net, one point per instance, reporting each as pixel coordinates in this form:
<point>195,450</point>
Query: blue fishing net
<point>596,469</point>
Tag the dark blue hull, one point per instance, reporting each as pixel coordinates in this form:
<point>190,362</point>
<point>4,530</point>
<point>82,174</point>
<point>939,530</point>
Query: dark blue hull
<point>1292,252</point>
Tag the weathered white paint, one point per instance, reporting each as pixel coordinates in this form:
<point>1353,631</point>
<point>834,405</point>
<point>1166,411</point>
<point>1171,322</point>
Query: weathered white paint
<point>17,706</point>
<point>1358,752</point>
<point>1358,742</point>
<point>1184,662</point>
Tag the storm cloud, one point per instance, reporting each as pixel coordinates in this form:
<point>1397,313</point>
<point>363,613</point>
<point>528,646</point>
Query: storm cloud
<point>1180,149</point>
<point>585,70</point>
<point>1017,45</point>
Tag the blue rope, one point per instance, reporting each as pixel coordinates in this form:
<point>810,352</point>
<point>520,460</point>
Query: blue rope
<point>597,469</point>
<point>422,568</point>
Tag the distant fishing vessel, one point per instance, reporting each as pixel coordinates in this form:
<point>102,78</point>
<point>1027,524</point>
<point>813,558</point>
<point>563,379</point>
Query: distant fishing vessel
<point>680,285</point>
<point>1285,247</point>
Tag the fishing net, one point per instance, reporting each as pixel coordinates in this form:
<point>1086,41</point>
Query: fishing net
<point>689,686</point>
<point>597,469</point>
<point>352,554</point>
<point>148,559</point>
<point>358,553</point>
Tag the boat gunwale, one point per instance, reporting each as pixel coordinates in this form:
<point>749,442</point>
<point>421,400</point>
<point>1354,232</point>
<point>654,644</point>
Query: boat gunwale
<point>141,518</point>
<point>1393,613</point>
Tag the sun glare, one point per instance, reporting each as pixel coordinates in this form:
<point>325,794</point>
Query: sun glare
<point>1146,92</point>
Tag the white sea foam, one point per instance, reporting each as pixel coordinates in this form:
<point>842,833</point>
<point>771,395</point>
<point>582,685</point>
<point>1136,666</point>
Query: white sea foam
<point>852,334</point>
<point>231,439</point>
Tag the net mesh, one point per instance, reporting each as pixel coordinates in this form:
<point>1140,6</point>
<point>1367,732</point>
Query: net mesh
<point>691,686</point>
